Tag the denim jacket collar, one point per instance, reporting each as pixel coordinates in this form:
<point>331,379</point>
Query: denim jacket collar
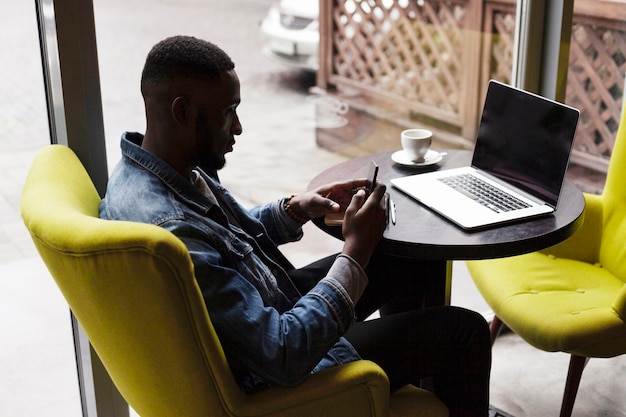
<point>179,185</point>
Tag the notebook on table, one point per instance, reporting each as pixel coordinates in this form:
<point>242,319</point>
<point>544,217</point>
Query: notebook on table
<point>518,166</point>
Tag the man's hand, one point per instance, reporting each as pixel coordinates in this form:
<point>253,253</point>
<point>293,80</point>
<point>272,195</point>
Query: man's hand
<point>365,217</point>
<point>364,223</point>
<point>329,198</point>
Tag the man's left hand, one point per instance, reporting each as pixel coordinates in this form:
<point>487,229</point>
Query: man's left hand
<point>331,198</point>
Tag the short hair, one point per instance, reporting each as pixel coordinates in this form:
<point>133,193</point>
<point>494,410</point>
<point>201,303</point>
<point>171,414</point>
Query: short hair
<point>184,57</point>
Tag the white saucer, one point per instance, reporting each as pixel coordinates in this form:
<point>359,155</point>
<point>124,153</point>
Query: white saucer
<point>431,158</point>
<point>331,122</point>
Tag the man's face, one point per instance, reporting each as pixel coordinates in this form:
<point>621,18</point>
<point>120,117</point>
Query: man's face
<point>217,122</point>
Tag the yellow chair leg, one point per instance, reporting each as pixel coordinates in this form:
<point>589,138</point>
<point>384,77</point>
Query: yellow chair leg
<point>576,367</point>
<point>494,328</point>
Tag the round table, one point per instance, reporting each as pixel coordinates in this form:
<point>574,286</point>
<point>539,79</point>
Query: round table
<point>421,236</point>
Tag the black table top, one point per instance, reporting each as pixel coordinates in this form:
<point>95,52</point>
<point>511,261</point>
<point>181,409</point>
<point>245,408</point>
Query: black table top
<point>420,233</point>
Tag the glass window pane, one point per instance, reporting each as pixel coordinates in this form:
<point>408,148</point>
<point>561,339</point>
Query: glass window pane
<point>595,85</point>
<point>393,63</point>
<point>36,352</point>
<point>414,64</point>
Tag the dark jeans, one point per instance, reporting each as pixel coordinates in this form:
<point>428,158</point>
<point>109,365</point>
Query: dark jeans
<point>449,345</point>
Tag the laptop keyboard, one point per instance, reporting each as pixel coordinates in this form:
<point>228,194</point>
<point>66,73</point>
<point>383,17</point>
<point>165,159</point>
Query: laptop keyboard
<point>484,193</point>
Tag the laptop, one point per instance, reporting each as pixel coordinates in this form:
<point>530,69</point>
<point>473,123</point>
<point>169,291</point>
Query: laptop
<point>522,151</point>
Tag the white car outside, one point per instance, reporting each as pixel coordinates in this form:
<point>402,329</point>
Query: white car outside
<point>290,33</point>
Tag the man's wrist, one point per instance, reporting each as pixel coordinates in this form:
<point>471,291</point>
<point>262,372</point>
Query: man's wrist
<point>350,275</point>
<point>292,213</point>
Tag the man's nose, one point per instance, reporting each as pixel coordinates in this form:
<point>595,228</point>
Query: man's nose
<point>237,128</point>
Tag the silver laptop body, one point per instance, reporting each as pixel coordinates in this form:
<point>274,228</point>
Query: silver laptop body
<point>522,149</point>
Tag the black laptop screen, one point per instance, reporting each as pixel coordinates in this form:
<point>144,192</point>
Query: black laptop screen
<point>525,140</point>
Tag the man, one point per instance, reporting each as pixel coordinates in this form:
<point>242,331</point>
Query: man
<point>278,324</point>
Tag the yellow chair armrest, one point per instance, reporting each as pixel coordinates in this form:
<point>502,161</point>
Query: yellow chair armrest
<point>619,305</point>
<point>356,389</point>
<point>584,245</point>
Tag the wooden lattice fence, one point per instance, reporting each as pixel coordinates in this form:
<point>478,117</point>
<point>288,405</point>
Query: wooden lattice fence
<point>404,55</point>
<point>430,61</point>
<point>595,83</point>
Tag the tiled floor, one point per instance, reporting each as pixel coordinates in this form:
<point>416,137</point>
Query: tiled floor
<point>276,156</point>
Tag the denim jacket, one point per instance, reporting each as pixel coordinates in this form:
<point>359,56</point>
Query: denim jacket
<point>274,331</point>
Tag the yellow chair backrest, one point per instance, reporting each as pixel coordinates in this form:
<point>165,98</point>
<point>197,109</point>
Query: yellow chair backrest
<point>613,241</point>
<point>131,287</point>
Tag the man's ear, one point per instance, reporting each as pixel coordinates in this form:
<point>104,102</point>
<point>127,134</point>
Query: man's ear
<point>180,110</point>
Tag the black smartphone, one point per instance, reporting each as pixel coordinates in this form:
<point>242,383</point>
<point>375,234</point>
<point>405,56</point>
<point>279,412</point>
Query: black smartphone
<point>371,178</point>
<point>336,219</point>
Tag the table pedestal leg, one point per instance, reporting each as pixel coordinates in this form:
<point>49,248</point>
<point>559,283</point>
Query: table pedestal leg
<point>427,283</point>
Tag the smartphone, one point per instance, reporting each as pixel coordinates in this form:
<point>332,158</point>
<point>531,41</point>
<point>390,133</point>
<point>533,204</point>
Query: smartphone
<point>336,219</point>
<point>371,178</point>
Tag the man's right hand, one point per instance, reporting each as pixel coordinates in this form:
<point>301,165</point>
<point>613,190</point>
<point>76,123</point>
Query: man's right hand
<point>364,223</point>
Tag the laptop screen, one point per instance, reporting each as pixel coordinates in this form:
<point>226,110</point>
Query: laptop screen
<point>525,140</point>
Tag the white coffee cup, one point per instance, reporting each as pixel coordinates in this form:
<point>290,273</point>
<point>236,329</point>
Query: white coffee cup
<point>415,143</point>
<point>329,108</point>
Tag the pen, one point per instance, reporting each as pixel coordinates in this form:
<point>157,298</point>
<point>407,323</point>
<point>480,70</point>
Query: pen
<point>393,211</point>
<point>387,208</point>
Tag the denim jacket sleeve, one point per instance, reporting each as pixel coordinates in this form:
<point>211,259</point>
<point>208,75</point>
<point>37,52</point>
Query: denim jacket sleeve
<point>280,227</point>
<point>261,330</point>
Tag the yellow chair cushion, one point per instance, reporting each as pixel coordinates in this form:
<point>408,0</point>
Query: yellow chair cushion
<point>410,401</point>
<point>555,304</point>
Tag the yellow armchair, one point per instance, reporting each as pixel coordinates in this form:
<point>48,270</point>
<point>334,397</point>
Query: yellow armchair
<point>570,297</point>
<point>132,288</point>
